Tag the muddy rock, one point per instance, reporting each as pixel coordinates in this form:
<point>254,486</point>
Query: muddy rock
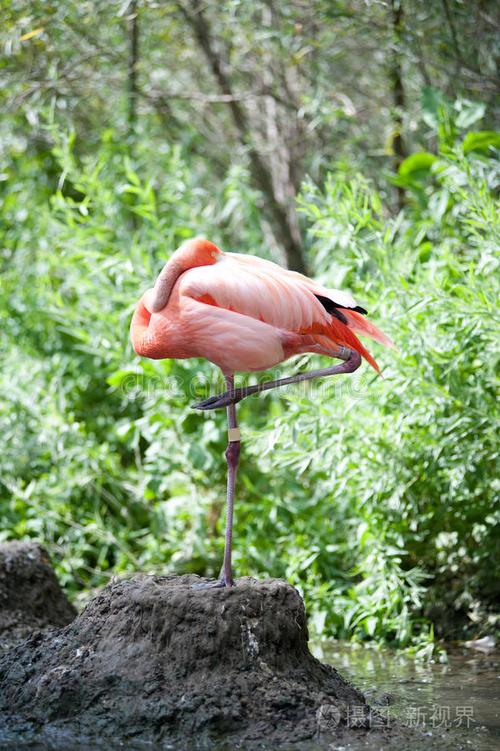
<point>30,596</point>
<point>156,659</point>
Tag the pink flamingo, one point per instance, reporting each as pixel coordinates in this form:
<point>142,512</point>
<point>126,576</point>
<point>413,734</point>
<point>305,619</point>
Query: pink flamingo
<point>244,313</point>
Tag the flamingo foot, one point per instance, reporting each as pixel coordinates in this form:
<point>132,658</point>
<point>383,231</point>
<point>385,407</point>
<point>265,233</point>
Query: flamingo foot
<point>217,584</point>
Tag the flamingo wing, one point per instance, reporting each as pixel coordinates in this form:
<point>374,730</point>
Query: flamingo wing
<point>288,301</point>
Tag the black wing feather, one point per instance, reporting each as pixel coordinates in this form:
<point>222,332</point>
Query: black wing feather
<point>335,309</point>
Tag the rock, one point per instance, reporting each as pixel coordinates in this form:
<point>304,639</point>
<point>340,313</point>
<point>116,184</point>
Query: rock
<point>153,658</point>
<point>30,596</point>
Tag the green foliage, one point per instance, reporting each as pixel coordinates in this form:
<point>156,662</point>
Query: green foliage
<point>376,497</point>
<point>416,456</point>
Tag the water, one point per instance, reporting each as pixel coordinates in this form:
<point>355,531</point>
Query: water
<point>457,701</point>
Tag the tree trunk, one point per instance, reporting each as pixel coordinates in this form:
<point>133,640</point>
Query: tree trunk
<point>398,92</point>
<point>282,217</point>
<point>133,59</point>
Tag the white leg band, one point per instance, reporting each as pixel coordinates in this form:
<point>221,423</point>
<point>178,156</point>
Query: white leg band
<point>233,435</point>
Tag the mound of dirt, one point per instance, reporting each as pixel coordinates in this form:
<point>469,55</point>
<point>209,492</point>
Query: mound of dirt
<point>154,658</point>
<point>30,596</point>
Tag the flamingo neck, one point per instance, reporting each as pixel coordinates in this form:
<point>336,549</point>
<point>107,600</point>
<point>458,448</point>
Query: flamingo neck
<point>165,284</point>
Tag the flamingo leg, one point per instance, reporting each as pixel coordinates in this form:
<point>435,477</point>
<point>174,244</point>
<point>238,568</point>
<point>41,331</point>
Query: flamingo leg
<point>352,361</point>
<point>232,458</point>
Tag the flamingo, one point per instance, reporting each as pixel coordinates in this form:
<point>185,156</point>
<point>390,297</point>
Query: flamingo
<point>244,313</point>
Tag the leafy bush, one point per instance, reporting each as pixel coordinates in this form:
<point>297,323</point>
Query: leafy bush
<point>406,466</point>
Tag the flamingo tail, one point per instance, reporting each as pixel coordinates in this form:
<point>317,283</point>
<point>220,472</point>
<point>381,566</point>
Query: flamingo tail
<point>343,333</point>
<point>363,326</point>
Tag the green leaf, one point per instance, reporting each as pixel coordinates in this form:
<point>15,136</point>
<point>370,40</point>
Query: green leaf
<point>481,140</point>
<point>422,161</point>
<point>433,104</point>
<point>470,113</point>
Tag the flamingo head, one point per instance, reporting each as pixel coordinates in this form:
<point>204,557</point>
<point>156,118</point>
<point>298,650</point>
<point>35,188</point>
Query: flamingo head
<point>196,252</point>
<point>192,253</point>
